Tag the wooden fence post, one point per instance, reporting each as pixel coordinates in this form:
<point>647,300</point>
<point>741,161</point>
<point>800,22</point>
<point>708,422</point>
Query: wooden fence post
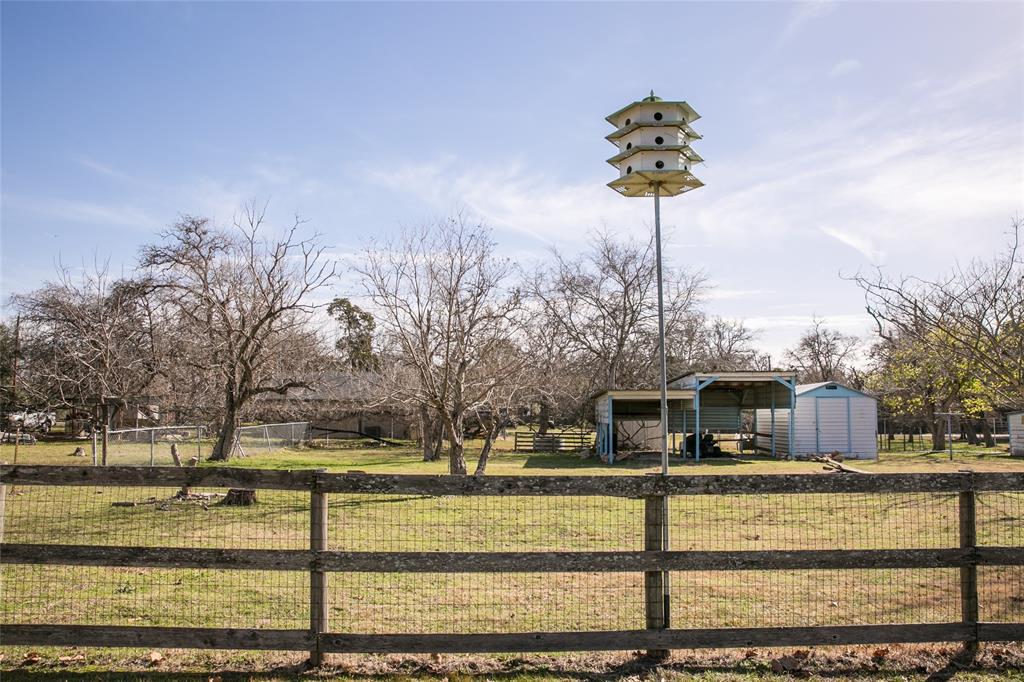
<point>3,507</point>
<point>969,573</point>
<point>654,581</point>
<point>318,521</point>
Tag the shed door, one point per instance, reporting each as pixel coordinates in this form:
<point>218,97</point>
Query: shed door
<point>833,425</point>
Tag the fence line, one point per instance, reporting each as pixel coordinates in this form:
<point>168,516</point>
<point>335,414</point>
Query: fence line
<point>139,446</point>
<point>918,505</point>
<point>269,436</point>
<point>562,441</point>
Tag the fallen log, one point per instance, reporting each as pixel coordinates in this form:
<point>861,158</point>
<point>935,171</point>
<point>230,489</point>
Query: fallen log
<point>833,465</point>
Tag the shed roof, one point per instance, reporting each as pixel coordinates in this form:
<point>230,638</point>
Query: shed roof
<point>801,389</point>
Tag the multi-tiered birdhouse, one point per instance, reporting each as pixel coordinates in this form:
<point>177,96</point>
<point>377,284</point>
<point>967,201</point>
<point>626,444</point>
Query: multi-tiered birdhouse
<point>654,140</point>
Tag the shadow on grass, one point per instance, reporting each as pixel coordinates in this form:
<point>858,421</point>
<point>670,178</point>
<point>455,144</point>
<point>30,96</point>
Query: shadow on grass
<point>344,502</point>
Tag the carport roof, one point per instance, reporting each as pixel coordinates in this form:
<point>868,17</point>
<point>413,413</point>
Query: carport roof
<point>622,394</point>
<point>731,378</point>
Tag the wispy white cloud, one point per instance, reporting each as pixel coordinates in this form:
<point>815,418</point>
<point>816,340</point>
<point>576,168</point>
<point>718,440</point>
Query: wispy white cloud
<point>843,68</point>
<point>846,322</point>
<point>875,179</point>
<point>112,214</point>
<point>720,294</point>
<point>801,15</point>
<point>516,198</point>
<point>859,242</point>
<point>102,168</point>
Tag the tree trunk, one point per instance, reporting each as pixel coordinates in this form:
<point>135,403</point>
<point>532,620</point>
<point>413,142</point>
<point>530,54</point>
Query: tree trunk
<point>545,417</point>
<point>430,435</point>
<point>970,432</point>
<point>986,432</point>
<point>492,432</point>
<point>456,447</point>
<point>226,438</point>
<point>938,435</point>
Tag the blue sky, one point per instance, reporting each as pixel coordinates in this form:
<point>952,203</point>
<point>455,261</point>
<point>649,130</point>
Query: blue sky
<point>838,136</point>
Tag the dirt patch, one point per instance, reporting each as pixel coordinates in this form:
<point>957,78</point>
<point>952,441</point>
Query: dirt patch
<point>886,662</point>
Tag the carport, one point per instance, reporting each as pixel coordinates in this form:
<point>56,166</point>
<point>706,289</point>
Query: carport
<point>699,403</point>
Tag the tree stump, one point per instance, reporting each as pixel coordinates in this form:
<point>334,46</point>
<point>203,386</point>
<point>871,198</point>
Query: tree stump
<point>174,455</point>
<point>242,497</point>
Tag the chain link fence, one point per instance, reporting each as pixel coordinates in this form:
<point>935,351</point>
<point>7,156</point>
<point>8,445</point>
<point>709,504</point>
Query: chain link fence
<point>266,439</point>
<point>151,446</point>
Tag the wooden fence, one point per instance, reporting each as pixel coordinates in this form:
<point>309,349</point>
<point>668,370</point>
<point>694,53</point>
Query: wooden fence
<point>654,561</point>
<point>563,441</point>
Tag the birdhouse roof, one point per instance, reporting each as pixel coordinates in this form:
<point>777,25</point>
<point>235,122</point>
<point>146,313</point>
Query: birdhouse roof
<point>626,130</point>
<point>639,183</point>
<point>684,149</point>
<point>689,115</point>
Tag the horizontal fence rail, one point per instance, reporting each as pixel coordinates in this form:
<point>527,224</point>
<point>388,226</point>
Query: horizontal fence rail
<point>296,517</point>
<point>564,441</point>
<point>423,484</point>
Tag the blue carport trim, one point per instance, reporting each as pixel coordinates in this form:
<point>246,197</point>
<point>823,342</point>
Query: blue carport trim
<point>699,384</point>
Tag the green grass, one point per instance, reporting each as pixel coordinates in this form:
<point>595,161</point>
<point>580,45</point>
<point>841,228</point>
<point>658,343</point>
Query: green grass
<point>364,456</point>
<point>523,601</point>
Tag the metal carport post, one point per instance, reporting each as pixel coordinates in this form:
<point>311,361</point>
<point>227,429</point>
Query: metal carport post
<point>791,385</point>
<point>696,409</point>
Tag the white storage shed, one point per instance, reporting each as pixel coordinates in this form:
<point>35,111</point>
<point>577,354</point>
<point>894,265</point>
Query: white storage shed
<point>828,417</point>
<point>1015,422</point>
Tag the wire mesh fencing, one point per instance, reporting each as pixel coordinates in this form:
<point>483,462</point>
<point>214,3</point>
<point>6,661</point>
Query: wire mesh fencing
<point>442,558</point>
<point>151,446</point>
<point>267,439</point>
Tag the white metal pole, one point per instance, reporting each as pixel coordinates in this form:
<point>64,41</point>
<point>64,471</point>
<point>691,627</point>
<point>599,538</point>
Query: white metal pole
<point>661,332</point>
<point>666,576</point>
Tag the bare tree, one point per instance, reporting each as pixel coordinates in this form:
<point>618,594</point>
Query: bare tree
<point>973,314</point>
<point>10,354</point>
<point>501,406</point>
<point>246,301</point>
<point>88,338</point>
<point>823,354</point>
<point>444,313</point>
<point>725,345</point>
<point>603,305</point>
